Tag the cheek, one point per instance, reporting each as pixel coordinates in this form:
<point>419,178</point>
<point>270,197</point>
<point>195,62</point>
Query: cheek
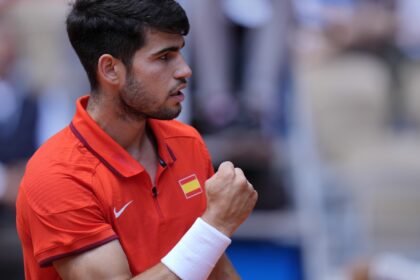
<point>156,79</point>
<point>161,80</point>
<point>160,87</point>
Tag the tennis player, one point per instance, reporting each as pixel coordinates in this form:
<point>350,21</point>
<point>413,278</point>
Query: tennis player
<point>125,191</point>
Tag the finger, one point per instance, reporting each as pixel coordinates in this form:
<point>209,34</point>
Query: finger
<point>253,192</point>
<point>253,199</point>
<point>255,196</point>
<point>210,180</point>
<point>226,169</point>
<point>226,165</point>
<point>239,172</point>
<point>250,186</point>
<point>240,177</point>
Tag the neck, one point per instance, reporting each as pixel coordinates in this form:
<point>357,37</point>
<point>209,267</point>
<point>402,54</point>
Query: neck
<point>130,133</point>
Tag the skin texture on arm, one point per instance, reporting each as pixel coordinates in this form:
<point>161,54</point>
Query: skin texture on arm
<point>107,262</point>
<point>224,270</point>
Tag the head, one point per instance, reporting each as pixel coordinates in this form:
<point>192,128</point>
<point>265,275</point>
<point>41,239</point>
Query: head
<point>118,28</point>
<point>116,31</point>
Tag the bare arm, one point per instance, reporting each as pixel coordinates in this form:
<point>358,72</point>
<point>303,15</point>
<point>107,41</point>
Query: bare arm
<point>106,262</point>
<point>110,262</point>
<point>224,270</point>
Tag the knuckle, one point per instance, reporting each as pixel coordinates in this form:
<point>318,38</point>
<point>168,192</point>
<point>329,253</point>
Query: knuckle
<point>242,181</point>
<point>226,165</point>
<point>255,196</point>
<point>209,183</point>
<point>227,173</point>
<point>226,169</point>
<point>239,171</point>
<point>209,180</point>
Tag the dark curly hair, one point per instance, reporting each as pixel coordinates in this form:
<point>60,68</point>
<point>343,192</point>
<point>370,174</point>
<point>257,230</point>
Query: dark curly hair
<point>117,27</point>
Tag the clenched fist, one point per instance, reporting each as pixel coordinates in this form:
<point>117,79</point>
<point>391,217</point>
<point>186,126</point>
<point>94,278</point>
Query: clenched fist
<point>230,198</point>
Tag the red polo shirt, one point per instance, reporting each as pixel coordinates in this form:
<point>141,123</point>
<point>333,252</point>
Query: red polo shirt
<point>81,189</point>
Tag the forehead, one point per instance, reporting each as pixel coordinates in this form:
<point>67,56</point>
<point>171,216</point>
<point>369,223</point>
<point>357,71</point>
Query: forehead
<point>156,41</point>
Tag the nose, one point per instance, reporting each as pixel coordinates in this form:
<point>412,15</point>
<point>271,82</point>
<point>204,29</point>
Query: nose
<point>183,71</point>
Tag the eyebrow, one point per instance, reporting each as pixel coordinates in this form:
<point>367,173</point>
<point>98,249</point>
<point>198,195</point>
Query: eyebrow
<point>169,49</point>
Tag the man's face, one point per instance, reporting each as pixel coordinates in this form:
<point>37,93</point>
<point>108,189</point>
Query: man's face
<point>158,73</point>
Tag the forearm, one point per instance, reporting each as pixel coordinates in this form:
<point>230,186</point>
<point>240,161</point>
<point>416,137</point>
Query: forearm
<point>157,272</point>
<point>224,270</point>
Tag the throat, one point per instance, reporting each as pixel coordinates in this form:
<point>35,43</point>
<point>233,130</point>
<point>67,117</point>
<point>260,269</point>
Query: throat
<point>150,164</point>
<point>146,154</point>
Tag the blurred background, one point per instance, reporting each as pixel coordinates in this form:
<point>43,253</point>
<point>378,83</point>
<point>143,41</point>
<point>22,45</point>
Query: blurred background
<point>317,100</point>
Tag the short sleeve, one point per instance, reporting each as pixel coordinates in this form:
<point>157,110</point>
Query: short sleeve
<point>63,217</point>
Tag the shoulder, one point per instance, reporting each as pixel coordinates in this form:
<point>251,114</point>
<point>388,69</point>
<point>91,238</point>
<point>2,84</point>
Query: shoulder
<point>59,175</point>
<point>60,152</point>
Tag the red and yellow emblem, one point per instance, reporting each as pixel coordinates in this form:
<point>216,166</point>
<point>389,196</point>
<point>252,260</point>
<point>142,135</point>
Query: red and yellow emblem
<point>190,186</point>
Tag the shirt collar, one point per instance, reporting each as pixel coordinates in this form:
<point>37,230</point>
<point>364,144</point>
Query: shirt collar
<point>109,152</point>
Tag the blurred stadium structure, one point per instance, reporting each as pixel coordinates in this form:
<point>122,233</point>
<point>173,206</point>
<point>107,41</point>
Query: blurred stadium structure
<point>335,155</point>
<point>356,136</point>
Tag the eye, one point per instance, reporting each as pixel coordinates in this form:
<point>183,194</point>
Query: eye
<point>164,57</point>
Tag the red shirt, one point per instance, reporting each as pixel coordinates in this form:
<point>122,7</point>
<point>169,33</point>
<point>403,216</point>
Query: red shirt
<point>81,189</point>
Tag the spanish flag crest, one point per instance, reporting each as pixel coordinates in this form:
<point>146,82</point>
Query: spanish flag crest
<point>190,186</point>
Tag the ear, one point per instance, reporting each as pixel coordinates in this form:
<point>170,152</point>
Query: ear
<point>111,71</point>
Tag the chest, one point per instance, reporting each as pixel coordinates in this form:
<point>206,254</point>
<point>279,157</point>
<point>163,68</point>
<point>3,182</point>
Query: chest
<point>173,191</point>
<point>150,217</point>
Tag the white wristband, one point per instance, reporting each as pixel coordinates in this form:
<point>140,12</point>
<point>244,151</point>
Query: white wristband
<point>196,254</point>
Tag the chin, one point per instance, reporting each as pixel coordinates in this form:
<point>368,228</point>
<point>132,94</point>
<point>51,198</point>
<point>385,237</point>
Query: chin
<point>167,114</point>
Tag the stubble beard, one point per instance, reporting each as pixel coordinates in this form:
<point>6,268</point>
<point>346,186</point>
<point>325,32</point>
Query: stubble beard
<point>136,103</point>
